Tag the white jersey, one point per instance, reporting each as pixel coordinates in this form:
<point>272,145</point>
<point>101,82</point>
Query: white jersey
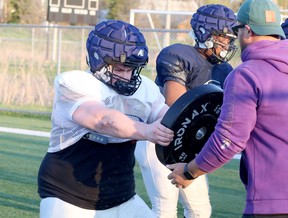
<point>74,88</point>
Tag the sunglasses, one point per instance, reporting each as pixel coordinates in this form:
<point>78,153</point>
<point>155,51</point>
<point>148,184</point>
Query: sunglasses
<point>236,28</point>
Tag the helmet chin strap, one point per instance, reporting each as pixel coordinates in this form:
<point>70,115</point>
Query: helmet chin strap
<point>103,74</point>
<point>209,54</point>
<point>206,45</point>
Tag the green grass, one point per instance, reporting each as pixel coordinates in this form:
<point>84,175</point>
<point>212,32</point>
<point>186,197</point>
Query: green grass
<point>20,157</point>
<point>19,160</point>
<point>33,123</point>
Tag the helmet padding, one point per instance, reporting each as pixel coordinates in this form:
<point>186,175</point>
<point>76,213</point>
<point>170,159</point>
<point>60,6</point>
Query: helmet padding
<point>115,41</point>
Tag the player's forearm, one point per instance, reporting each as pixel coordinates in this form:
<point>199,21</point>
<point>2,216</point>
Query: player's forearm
<point>111,122</point>
<point>97,117</point>
<point>119,125</point>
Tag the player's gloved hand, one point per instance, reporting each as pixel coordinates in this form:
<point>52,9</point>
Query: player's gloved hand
<point>159,134</point>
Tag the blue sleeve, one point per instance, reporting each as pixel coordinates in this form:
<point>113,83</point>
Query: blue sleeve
<point>170,66</point>
<point>220,72</point>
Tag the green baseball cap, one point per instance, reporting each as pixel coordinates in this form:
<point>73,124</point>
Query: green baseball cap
<point>263,17</point>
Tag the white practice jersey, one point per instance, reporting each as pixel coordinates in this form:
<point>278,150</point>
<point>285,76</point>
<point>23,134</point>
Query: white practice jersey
<point>74,88</point>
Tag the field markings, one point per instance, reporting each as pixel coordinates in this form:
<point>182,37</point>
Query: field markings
<point>25,132</point>
<point>46,134</point>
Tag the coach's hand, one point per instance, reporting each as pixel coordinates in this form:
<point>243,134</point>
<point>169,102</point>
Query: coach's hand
<point>177,177</point>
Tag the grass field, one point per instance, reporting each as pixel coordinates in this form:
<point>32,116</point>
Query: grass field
<point>20,157</point>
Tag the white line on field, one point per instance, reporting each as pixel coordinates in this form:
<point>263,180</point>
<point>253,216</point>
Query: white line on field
<point>46,134</point>
<point>25,132</point>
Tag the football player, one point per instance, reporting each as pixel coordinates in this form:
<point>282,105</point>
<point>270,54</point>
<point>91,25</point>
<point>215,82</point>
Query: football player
<point>97,117</point>
<point>181,67</point>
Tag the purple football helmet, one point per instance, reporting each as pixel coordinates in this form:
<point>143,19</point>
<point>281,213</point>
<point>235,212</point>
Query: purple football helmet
<point>116,42</point>
<point>215,20</point>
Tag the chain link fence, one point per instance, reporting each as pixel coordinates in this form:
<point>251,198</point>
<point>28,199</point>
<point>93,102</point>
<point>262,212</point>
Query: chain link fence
<point>32,55</point>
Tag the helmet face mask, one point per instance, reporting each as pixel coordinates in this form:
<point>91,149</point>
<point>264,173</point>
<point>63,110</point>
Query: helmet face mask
<point>115,42</point>
<point>120,84</point>
<point>222,51</point>
<point>127,87</point>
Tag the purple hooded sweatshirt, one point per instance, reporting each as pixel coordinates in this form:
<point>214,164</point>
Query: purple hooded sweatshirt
<point>254,121</point>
